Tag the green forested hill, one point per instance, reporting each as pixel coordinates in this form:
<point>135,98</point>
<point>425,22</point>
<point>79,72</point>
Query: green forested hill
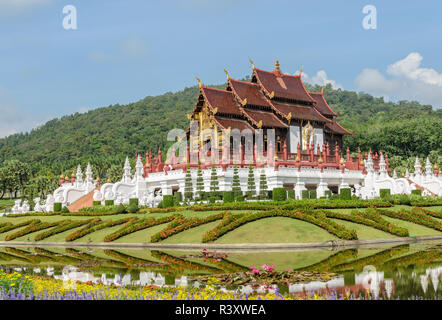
<point>105,136</point>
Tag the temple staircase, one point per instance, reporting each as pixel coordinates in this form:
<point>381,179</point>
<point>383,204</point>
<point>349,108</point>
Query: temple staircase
<point>85,201</point>
<point>421,188</point>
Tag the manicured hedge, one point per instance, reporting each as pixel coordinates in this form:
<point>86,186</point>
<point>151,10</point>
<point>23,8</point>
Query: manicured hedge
<point>291,194</point>
<point>239,198</point>
<point>11,226</point>
<point>279,194</point>
<point>228,196</point>
<point>329,193</point>
<point>182,224</point>
<point>133,201</point>
<point>317,218</point>
<point>345,194</point>
<point>304,194</point>
<point>384,193</point>
<point>312,194</point>
<point>92,227</point>
<point>372,219</point>
<point>108,202</point>
<point>64,226</point>
<point>428,212</point>
<point>138,225</point>
<point>96,203</point>
<point>415,217</point>
<point>178,197</point>
<point>31,228</point>
<point>416,192</point>
<point>57,207</point>
<point>168,201</point>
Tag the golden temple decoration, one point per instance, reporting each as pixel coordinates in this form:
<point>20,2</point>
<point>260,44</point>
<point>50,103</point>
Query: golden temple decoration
<point>272,94</point>
<point>341,161</point>
<point>215,111</point>
<point>251,62</point>
<point>435,166</point>
<point>307,135</point>
<point>323,88</point>
<point>300,71</point>
<point>199,81</point>
<point>289,117</point>
<point>320,160</point>
<point>403,174</point>
<point>361,162</point>
<point>244,102</point>
<point>189,116</point>
<point>227,74</point>
<point>277,68</point>
<point>259,125</point>
<point>109,180</point>
<point>297,159</point>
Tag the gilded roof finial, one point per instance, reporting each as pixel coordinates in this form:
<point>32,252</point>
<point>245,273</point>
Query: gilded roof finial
<point>323,88</point>
<point>277,66</point>
<point>300,71</point>
<point>251,62</point>
<point>199,81</point>
<point>227,74</point>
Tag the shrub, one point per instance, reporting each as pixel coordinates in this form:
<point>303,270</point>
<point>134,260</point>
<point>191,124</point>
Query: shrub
<point>312,194</point>
<point>133,201</point>
<point>132,208</point>
<point>304,194</point>
<point>178,197</point>
<point>109,203</point>
<point>93,226</point>
<point>57,207</point>
<point>345,194</point>
<point>96,203</point>
<point>329,193</point>
<point>291,194</point>
<point>65,210</point>
<point>119,209</point>
<point>212,199</point>
<point>33,227</point>
<point>414,216</point>
<point>416,192</point>
<point>64,226</point>
<point>239,198</point>
<point>168,201</point>
<point>385,193</point>
<point>279,194</point>
<point>228,196</point>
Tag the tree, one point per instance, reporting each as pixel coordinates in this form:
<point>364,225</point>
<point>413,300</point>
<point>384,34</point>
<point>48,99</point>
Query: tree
<point>214,184</point>
<point>14,175</point>
<point>199,182</point>
<point>263,193</point>
<point>115,173</point>
<point>251,187</point>
<point>236,185</point>
<point>188,185</point>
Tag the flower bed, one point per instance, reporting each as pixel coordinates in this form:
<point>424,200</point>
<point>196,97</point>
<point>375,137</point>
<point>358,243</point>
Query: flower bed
<point>182,224</point>
<point>373,220</point>
<point>181,264</point>
<point>31,228</point>
<point>317,218</point>
<point>139,225</point>
<point>11,226</point>
<point>64,226</point>
<point>434,214</point>
<point>414,217</point>
<point>418,259</point>
<point>92,227</point>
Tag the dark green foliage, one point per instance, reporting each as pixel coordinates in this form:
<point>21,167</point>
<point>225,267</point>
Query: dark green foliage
<point>345,194</point>
<point>168,201</point>
<point>133,208</point>
<point>263,192</point>
<point>133,201</point>
<point>251,187</point>
<point>291,194</point>
<point>236,185</point>
<point>57,207</point>
<point>329,193</point>
<point>416,192</point>
<point>384,193</point>
<point>65,210</point>
<point>239,198</point>
<point>188,185</point>
<point>212,199</point>
<point>96,203</point>
<point>119,209</point>
<point>214,184</point>
<point>304,194</point>
<point>228,196</point>
<point>312,194</point>
<point>108,202</point>
<point>178,197</point>
<point>199,182</point>
<point>279,194</point>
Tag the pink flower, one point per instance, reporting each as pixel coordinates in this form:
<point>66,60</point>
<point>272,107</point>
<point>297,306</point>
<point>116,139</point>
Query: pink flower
<point>288,270</point>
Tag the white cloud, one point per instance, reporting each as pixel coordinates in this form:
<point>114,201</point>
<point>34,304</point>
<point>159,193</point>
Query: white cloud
<point>134,48</point>
<point>13,7</point>
<point>408,81</point>
<point>321,79</point>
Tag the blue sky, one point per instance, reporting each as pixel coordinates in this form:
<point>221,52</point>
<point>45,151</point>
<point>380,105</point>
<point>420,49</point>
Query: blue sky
<point>123,51</point>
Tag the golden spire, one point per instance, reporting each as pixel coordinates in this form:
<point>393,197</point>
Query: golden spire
<point>61,176</point>
<point>244,102</point>
<point>251,62</point>
<point>199,81</point>
<point>215,111</point>
<point>277,69</point>
<point>227,74</point>
<point>323,88</point>
<point>272,94</point>
<point>300,71</point>
<point>73,175</point>
<point>259,125</point>
<point>109,180</point>
<point>289,117</point>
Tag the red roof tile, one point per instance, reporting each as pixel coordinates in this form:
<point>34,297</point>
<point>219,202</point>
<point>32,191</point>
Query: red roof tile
<point>268,119</point>
<point>299,112</point>
<point>233,123</point>
<point>322,105</point>
<point>250,91</point>
<point>283,85</point>
<point>221,99</point>
<point>335,127</point>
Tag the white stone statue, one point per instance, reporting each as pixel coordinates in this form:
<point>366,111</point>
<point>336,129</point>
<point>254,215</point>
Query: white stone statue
<point>17,207</point>
<point>37,206</point>
<point>98,196</point>
<point>25,208</point>
<point>49,203</point>
<point>158,197</point>
<point>109,195</point>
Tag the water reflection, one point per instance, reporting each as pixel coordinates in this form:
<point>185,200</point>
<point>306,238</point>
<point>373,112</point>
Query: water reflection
<point>402,271</point>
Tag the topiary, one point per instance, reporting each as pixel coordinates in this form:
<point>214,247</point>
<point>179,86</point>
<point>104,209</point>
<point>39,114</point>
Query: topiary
<point>119,209</point>
<point>304,194</point>
<point>109,203</point>
<point>384,193</point>
<point>168,201</point>
<point>416,192</point>
<point>345,194</point>
<point>65,210</point>
<point>57,207</point>
<point>212,199</point>
<point>312,194</point>
<point>279,194</point>
<point>228,196</point>
<point>133,201</point>
<point>132,208</point>
<point>239,198</point>
<point>96,203</point>
<point>291,194</point>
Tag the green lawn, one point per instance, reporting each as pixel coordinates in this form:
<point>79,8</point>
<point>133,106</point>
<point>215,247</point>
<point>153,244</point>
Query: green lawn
<point>6,203</point>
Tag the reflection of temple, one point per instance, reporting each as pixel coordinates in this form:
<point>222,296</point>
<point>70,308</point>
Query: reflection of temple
<point>272,100</point>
